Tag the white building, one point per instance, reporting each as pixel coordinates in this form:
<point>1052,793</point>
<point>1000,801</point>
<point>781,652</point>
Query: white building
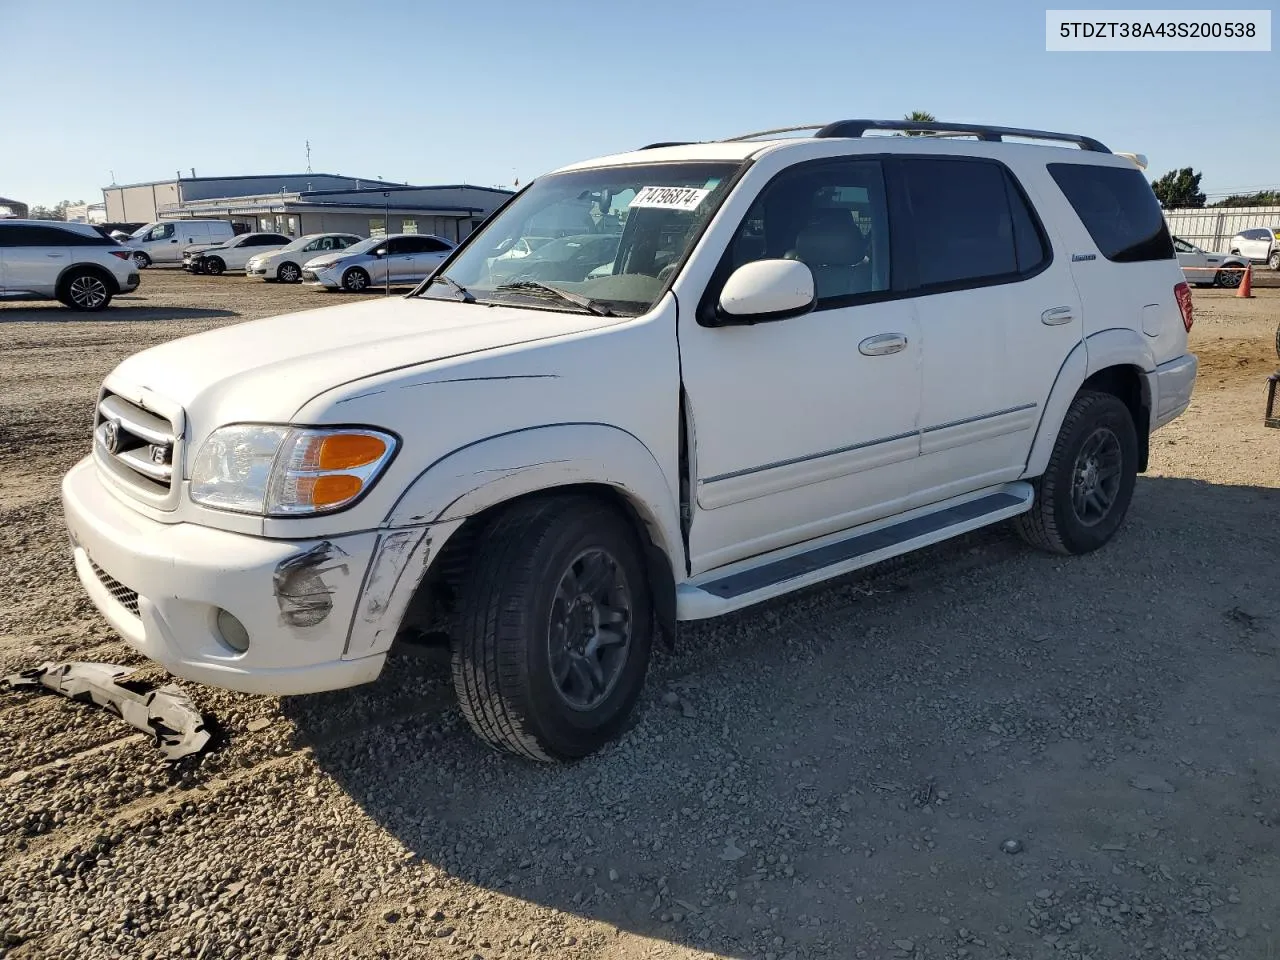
<point>296,204</point>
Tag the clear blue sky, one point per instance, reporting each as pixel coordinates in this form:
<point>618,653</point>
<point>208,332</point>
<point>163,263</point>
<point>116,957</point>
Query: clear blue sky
<point>433,92</point>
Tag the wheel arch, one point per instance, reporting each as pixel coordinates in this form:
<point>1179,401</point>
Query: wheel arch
<point>112,284</point>
<point>1116,361</point>
<point>462,491</point>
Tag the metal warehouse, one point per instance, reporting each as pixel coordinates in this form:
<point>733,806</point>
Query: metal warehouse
<point>301,203</point>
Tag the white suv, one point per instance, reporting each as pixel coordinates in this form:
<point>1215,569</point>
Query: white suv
<point>70,262</point>
<point>809,354</point>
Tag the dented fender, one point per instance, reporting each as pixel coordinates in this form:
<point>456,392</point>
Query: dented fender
<point>493,471</point>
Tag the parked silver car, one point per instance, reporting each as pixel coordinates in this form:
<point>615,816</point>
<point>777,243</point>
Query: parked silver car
<point>404,258</point>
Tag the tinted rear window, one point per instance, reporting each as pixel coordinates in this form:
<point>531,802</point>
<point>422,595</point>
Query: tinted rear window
<point>1118,209</point>
<point>971,225</point>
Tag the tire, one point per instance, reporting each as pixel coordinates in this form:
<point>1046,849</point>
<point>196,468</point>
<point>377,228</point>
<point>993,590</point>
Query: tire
<point>214,266</point>
<point>142,260</point>
<point>1230,279</point>
<point>289,273</point>
<point>355,280</point>
<point>1054,522</point>
<point>86,290</point>
<point>1274,260</point>
<point>521,657</point>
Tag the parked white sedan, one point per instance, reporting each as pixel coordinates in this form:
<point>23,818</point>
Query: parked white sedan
<point>286,263</point>
<point>1204,269</point>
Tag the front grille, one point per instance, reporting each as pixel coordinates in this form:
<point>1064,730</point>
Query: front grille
<point>123,595</point>
<point>135,444</point>
<point>308,274</point>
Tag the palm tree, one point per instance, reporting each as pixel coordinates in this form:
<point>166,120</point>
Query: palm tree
<point>919,116</point>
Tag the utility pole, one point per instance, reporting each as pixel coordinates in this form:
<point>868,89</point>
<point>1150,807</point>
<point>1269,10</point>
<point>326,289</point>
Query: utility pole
<point>308,156</point>
<point>386,194</point>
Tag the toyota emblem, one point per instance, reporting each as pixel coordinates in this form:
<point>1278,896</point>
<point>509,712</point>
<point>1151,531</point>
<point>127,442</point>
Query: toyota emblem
<point>111,436</point>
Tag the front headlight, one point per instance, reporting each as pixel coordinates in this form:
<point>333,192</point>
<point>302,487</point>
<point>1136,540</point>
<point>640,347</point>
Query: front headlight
<point>281,471</point>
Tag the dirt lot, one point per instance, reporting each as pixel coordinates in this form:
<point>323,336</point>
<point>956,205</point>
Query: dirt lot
<point>829,776</point>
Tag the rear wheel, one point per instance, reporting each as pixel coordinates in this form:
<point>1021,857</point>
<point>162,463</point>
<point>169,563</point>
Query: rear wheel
<point>1084,493</point>
<point>86,290</point>
<point>141,259</point>
<point>214,265</point>
<point>1228,278</point>
<point>1274,260</point>
<point>554,629</point>
<point>355,280</point>
<point>289,273</point>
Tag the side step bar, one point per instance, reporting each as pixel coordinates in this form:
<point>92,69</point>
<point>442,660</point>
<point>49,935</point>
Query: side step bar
<point>761,578</point>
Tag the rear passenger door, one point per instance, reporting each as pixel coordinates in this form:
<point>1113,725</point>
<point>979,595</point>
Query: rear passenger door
<point>997,318</point>
<point>431,255</point>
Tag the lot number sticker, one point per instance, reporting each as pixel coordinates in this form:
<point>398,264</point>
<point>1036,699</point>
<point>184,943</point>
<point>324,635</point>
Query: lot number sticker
<point>670,198</point>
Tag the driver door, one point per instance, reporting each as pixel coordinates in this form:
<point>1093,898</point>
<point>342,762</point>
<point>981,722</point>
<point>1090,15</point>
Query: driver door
<point>805,426</point>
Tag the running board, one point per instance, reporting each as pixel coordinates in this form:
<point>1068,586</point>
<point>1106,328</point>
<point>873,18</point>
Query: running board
<point>741,584</point>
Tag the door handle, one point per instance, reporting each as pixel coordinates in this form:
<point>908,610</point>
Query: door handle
<point>882,344</point>
<point>1056,315</point>
<point>56,256</point>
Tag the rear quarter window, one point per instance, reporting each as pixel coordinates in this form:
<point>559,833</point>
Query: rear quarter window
<point>1118,209</point>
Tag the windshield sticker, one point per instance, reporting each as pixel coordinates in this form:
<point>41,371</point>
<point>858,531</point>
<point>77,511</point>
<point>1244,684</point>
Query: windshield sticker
<point>670,198</point>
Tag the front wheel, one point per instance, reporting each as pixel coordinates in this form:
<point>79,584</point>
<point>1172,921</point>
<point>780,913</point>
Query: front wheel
<point>288,273</point>
<point>1274,260</point>
<point>1228,278</point>
<point>355,280</point>
<point>554,629</point>
<point>1084,493</point>
<point>214,266</point>
<point>141,259</point>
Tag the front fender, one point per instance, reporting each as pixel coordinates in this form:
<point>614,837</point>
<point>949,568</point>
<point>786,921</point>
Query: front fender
<point>493,471</point>
<point>1106,348</point>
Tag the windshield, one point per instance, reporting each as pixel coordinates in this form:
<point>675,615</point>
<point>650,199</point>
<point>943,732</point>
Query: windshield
<point>364,246</point>
<point>612,235</point>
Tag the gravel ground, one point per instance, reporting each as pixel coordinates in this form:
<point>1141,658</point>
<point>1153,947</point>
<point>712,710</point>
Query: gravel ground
<point>979,752</point>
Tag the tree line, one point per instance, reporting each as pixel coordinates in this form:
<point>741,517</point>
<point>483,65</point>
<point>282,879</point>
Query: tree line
<point>1180,189</point>
<point>57,212</point>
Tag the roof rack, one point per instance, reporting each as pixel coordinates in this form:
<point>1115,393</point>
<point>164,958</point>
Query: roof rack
<point>765,133</point>
<point>856,128</point>
<point>667,143</point>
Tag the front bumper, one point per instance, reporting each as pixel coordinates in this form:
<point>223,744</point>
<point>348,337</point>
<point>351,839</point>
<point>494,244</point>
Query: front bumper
<point>329,279</point>
<point>255,271</point>
<point>1171,386</point>
<point>130,283</point>
<point>161,587</point>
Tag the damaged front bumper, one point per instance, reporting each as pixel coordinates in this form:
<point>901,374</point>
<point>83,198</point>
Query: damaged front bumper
<point>316,615</point>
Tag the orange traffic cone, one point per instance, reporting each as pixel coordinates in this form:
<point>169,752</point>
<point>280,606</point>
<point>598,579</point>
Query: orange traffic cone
<point>1246,285</point>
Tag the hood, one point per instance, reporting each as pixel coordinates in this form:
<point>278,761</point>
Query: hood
<point>328,259</point>
<point>266,370</point>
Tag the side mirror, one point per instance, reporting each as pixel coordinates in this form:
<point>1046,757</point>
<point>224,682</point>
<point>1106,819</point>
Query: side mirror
<point>380,252</point>
<point>766,290</point>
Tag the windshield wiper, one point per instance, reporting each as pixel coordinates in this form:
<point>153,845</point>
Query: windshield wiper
<point>467,296</point>
<point>586,303</point>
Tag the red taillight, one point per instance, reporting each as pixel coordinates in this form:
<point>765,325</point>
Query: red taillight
<point>121,254</point>
<point>1183,294</point>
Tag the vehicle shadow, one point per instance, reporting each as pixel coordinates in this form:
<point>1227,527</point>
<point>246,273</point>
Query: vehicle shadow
<point>120,311</point>
<point>782,787</point>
